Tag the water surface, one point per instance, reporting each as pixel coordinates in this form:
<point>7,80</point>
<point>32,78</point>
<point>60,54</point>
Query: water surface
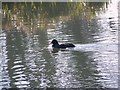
<point>28,60</point>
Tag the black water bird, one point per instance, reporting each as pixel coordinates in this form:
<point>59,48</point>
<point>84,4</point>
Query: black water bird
<point>57,45</point>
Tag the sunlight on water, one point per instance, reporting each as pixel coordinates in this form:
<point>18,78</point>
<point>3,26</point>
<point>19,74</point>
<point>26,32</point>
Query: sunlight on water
<point>106,55</point>
<point>65,67</point>
<point>4,78</point>
<point>109,54</point>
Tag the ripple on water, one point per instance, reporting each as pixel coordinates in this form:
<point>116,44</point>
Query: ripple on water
<point>19,77</point>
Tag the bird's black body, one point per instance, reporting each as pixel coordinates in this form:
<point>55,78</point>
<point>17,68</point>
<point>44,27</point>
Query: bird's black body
<point>57,45</point>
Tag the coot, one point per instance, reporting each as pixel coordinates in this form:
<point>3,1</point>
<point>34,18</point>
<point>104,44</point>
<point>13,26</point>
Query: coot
<point>57,45</point>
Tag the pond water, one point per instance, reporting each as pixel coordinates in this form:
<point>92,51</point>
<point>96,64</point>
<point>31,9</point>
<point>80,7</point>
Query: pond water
<point>27,58</point>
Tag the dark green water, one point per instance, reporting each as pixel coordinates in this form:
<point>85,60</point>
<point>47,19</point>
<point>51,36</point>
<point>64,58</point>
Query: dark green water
<point>28,60</point>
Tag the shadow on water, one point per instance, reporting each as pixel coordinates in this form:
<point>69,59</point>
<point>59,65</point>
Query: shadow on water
<point>16,56</point>
<point>29,60</point>
<point>88,75</point>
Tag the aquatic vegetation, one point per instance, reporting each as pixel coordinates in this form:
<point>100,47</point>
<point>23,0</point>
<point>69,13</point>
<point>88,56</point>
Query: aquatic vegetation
<point>43,13</point>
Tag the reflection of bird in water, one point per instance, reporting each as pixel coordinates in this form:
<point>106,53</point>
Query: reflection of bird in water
<point>57,45</point>
<point>55,50</point>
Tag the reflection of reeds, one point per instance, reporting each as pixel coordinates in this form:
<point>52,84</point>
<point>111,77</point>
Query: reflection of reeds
<point>41,14</point>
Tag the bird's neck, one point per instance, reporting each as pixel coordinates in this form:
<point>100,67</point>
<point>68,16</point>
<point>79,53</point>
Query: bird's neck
<point>55,45</point>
